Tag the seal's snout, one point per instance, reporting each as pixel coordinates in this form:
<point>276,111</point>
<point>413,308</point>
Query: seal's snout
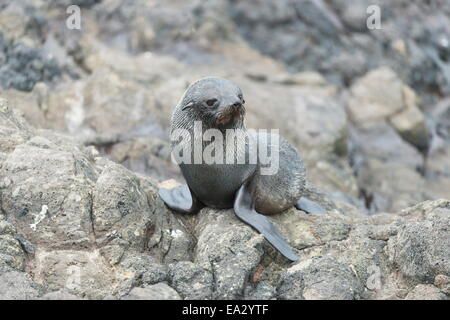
<point>230,113</point>
<point>236,109</point>
<point>237,105</point>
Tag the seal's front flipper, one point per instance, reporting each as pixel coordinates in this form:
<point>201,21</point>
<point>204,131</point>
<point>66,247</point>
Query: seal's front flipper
<point>309,206</point>
<point>243,207</point>
<point>180,199</point>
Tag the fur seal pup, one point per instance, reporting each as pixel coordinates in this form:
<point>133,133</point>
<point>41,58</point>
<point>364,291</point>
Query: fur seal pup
<point>218,104</point>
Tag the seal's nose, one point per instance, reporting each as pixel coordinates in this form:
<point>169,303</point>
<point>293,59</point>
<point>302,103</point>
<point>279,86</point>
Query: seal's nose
<point>237,105</point>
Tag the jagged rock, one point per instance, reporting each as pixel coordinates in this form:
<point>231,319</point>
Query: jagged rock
<point>90,212</point>
<point>124,224</point>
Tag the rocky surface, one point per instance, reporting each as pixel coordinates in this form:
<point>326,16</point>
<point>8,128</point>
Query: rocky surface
<point>84,117</point>
<point>75,225</point>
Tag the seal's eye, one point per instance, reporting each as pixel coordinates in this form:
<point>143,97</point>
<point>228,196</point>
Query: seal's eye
<point>242,98</point>
<point>211,102</point>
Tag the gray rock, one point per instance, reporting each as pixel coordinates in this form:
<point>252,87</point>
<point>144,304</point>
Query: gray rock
<point>25,66</point>
<point>262,291</point>
<point>159,291</point>
<point>367,106</point>
<point>420,249</point>
<point>191,281</point>
<point>320,278</point>
<point>11,253</point>
<point>229,249</point>
<point>443,283</point>
<point>426,292</point>
<point>15,285</point>
<point>90,213</point>
<point>145,268</point>
<point>437,172</point>
<point>59,295</point>
<point>81,273</point>
<point>49,194</point>
<point>85,227</point>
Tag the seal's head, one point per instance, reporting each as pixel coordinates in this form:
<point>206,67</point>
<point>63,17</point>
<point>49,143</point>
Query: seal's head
<point>215,101</point>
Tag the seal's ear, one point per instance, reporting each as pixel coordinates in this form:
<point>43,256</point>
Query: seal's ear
<point>188,105</point>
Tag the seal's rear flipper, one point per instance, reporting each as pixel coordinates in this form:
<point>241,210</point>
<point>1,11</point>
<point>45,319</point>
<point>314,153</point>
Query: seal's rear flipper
<point>309,206</point>
<point>243,207</point>
<point>180,199</point>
